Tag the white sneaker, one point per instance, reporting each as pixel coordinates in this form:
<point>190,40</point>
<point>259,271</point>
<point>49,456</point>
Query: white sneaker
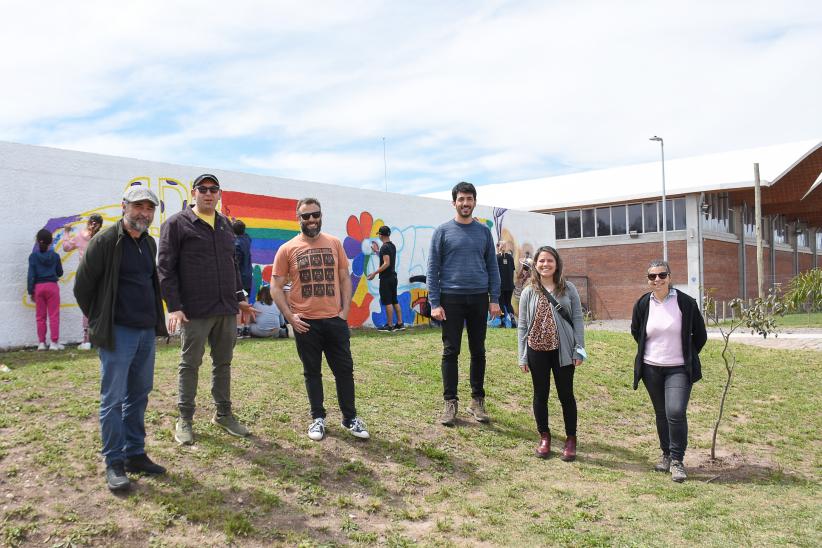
<point>84,346</point>
<point>56,346</point>
<point>42,346</point>
<point>357,428</point>
<point>317,430</point>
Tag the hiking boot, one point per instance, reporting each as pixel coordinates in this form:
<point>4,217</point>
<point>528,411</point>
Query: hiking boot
<point>141,464</point>
<point>399,327</point>
<point>183,432</point>
<point>385,329</point>
<point>544,447</point>
<point>116,478</point>
<point>664,464</point>
<point>678,471</point>
<point>42,346</point>
<point>356,427</point>
<point>230,424</point>
<point>569,452</point>
<point>316,431</point>
<point>84,346</point>
<point>477,409</point>
<point>449,414</point>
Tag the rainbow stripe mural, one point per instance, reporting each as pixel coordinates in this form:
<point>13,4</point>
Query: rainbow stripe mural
<point>269,221</point>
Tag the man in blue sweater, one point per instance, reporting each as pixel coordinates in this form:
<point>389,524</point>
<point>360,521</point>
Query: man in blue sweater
<point>463,286</point>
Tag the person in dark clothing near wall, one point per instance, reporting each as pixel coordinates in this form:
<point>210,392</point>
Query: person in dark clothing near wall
<point>203,292</point>
<point>505,262</point>
<point>670,332</point>
<point>118,290</point>
<point>463,287</point>
<point>387,272</point>
<point>242,255</point>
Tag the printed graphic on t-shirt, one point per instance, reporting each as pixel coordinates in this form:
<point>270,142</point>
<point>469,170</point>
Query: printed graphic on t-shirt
<point>316,268</point>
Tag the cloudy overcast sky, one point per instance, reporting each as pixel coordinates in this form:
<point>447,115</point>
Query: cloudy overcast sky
<point>484,91</point>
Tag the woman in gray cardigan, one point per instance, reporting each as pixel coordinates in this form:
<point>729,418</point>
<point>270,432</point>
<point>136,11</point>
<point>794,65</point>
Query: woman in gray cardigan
<point>551,339</point>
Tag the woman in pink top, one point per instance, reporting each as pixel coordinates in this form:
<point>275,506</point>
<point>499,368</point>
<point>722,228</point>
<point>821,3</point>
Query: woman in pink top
<point>669,330</point>
<point>80,243</point>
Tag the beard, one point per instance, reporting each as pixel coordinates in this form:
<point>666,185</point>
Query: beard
<point>465,215</point>
<point>137,222</point>
<point>312,232</point>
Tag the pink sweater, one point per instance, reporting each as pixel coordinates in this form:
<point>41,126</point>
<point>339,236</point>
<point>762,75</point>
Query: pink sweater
<point>663,343</point>
<point>78,241</point>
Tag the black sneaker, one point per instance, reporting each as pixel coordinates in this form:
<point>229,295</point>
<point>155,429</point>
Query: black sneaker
<point>399,327</point>
<point>116,478</point>
<point>141,464</point>
<point>385,329</point>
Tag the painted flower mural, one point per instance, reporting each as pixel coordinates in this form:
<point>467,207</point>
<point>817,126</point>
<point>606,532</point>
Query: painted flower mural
<point>357,245</point>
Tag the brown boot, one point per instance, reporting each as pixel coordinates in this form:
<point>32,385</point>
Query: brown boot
<point>449,414</point>
<point>544,445</point>
<point>569,452</point>
<point>477,409</point>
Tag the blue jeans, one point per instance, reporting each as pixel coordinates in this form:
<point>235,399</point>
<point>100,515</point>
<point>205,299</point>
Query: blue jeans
<point>670,390</point>
<point>126,378</point>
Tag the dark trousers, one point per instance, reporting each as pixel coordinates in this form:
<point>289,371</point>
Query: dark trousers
<point>470,311</point>
<point>670,390</point>
<point>332,337</point>
<point>541,365</point>
<point>505,301</point>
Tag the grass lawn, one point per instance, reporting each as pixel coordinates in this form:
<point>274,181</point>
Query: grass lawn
<point>415,482</point>
<point>814,319</point>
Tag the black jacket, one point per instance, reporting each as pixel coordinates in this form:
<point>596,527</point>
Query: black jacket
<point>95,285</point>
<point>694,335</point>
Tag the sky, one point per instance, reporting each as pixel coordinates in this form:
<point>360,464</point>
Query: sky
<point>412,96</point>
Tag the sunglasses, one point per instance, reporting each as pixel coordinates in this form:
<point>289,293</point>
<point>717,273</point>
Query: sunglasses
<point>206,189</point>
<point>661,275</point>
<point>312,215</point>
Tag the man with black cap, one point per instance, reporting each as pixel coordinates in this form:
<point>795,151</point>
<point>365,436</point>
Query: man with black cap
<point>388,280</point>
<point>203,291</point>
<point>118,289</point>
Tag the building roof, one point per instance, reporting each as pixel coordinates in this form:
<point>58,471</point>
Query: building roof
<point>711,172</point>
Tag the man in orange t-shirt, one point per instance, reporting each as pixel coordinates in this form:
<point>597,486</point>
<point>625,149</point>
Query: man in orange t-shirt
<point>317,308</point>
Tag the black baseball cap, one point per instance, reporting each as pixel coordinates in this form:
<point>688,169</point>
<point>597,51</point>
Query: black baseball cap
<point>384,231</point>
<point>205,177</point>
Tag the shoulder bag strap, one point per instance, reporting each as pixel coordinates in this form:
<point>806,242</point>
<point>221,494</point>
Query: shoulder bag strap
<point>558,307</point>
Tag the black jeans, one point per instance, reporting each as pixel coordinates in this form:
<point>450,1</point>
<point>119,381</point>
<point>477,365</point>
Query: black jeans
<point>541,364</point>
<point>472,312</point>
<point>670,390</point>
<point>505,301</point>
<point>332,337</point>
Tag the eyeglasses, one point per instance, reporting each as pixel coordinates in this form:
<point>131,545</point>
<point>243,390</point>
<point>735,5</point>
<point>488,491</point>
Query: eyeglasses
<point>312,215</point>
<point>661,275</point>
<point>206,189</point>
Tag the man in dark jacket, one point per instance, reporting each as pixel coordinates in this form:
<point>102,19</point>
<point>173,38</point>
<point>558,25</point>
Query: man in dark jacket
<point>118,289</point>
<point>203,291</point>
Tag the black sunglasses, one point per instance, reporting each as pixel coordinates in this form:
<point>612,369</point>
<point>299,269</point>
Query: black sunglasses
<point>206,189</point>
<point>662,276</point>
<point>312,215</point>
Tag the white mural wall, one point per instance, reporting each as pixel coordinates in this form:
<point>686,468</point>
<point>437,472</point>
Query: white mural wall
<point>55,189</point>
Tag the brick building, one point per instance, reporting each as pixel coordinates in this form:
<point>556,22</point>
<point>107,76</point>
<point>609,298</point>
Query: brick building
<point>608,223</point>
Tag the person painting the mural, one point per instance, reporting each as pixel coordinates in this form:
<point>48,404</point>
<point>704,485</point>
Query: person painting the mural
<point>45,268</point>
<point>551,339</point>
<point>269,322</point>
<point>79,242</point>
<point>203,291</point>
<point>463,287</point>
<point>505,263</point>
<point>670,332</point>
<point>242,255</point>
<point>317,308</point>
<point>118,289</point>
<point>387,272</point>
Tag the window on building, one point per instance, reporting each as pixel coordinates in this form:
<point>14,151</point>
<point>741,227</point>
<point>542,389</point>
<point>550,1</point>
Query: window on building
<point>818,241</point>
<point>574,229</point>
<point>719,215</point>
<point>650,213</point>
<point>559,224</point>
<point>748,221</point>
<point>618,224</point>
<point>588,223</point>
<point>802,238</point>
<point>675,211</point>
<point>604,221</point>
<point>635,218</point>
<point>780,230</point>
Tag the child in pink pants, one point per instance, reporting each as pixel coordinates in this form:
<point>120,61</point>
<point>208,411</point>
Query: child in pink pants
<point>45,268</point>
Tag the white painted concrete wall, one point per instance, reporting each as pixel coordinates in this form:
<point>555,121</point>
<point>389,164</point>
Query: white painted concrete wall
<point>52,187</point>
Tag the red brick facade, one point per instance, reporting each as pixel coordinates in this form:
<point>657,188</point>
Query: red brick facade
<point>616,273</point>
<point>721,268</point>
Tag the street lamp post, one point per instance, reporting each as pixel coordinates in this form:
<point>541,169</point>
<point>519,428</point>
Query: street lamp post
<point>664,206</point>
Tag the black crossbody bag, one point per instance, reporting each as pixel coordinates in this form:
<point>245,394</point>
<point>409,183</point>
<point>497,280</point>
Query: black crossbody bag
<point>558,307</point>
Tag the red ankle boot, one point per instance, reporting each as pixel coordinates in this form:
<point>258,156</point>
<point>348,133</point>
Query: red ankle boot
<point>569,452</point>
<point>544,445</point>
